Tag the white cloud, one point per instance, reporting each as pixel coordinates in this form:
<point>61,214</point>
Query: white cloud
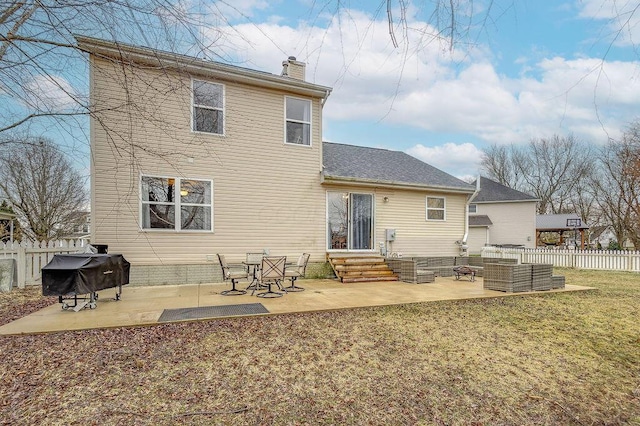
<point>422,85</point>
<point>50,93</point>
<point>461,159</point>
<point>622,19</point>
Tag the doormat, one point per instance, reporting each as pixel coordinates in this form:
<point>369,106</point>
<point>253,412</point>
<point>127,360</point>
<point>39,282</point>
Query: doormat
<point>212,312</point>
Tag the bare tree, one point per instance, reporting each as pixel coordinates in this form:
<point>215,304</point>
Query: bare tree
<point>450,22</point>
<point>43,189</point>
<point>555,167</point>
<point>608,186</point>
<point>499,162</point>
<point>554,170</point>
<point>584,198</point>
<point>619,186</point>
<point>43,72</point>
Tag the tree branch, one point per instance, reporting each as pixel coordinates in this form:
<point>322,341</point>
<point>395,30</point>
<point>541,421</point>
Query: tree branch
<point>390,20</point>
<point>10,11</point>
<point>6,40</point>
<point>41,114</point>
<point>11,38</point>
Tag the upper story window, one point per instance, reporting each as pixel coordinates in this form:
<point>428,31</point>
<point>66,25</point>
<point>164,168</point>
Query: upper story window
<point>176,203</point>
<point>208,107</point>
<point>436,208</point>
<point>298,121</point>
<point>473,208</point>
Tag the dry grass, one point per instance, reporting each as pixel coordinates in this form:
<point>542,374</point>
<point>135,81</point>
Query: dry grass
<point>571,358</point>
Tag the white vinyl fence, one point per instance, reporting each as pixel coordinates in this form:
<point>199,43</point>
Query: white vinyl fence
<point>32,256</point>
<point>611,260</point>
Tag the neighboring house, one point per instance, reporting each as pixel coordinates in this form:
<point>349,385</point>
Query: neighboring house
<point>499,215</point>
<point>561,230</point>
<point>479,235</point>
<point>191,158</point>
<point>600,236</point>
<point>81,226</point>
<point>7,225</point>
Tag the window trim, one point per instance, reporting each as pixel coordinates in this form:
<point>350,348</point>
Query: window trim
<point>443,209</point>
<point>475,208</point>
<point>177,206</point>
<point>223,109</point>
<point>349,224</point>
<point>310,122</point>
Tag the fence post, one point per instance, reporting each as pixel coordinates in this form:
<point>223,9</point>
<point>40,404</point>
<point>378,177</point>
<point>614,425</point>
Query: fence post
<point>22,266</point>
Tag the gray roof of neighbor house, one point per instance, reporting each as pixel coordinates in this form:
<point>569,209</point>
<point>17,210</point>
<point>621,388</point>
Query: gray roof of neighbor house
<point>596,231</point>
<point>479,220</point>
<point>383,167</point>
<point>557,222</point>
<point>494,192</point>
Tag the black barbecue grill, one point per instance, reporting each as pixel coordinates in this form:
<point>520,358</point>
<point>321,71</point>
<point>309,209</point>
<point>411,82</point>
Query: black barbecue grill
<point>69,276</point>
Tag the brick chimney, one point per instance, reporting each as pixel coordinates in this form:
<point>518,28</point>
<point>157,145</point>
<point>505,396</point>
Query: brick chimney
<point>293,68</point>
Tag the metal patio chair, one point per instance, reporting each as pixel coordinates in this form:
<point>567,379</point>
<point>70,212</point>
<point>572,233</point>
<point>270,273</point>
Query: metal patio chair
<point>297,272</point>
<point>232,275</point>
<point>272,272</point>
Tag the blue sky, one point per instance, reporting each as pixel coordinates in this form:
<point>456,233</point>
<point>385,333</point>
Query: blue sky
<point>530,70</point>
<point>522,69</point>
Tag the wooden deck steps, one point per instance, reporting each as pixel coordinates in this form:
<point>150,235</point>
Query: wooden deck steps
<point>350,268</point>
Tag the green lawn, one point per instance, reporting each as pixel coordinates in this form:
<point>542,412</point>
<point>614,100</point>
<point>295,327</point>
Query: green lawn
<point>557,359</point>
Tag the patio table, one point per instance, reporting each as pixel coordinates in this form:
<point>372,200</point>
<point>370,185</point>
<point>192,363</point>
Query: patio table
<point>253,261</point>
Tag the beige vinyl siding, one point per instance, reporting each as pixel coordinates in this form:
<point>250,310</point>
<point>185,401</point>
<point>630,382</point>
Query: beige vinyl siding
<point>266,195</point>
<point>406,213</point>
<point>513,223</point>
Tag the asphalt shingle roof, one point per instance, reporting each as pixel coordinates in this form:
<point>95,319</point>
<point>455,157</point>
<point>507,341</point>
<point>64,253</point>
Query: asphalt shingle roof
<point>491,191</point>
<point>384,166</point>
<point>479,220</point>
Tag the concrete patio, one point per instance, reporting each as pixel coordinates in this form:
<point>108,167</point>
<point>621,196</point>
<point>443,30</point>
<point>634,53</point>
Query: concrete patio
<point>143,306</point>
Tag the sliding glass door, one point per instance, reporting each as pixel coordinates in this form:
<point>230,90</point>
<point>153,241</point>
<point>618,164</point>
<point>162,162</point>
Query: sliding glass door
<point>350,221</point>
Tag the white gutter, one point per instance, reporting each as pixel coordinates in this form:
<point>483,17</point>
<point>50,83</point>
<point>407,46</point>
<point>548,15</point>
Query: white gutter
<point>376,183</point>
<point>326,96</point>
<point>192,65</point>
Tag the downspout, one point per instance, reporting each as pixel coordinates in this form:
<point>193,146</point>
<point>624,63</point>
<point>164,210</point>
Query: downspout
<point>326,96</point>
<point>463,245</point>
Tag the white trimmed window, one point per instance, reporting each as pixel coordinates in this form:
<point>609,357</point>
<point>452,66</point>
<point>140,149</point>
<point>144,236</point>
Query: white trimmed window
<point>176,203</point>
<point>208,107</point>
<point>436,208</point>
<point>473,208</point>
<point>298,121</point>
